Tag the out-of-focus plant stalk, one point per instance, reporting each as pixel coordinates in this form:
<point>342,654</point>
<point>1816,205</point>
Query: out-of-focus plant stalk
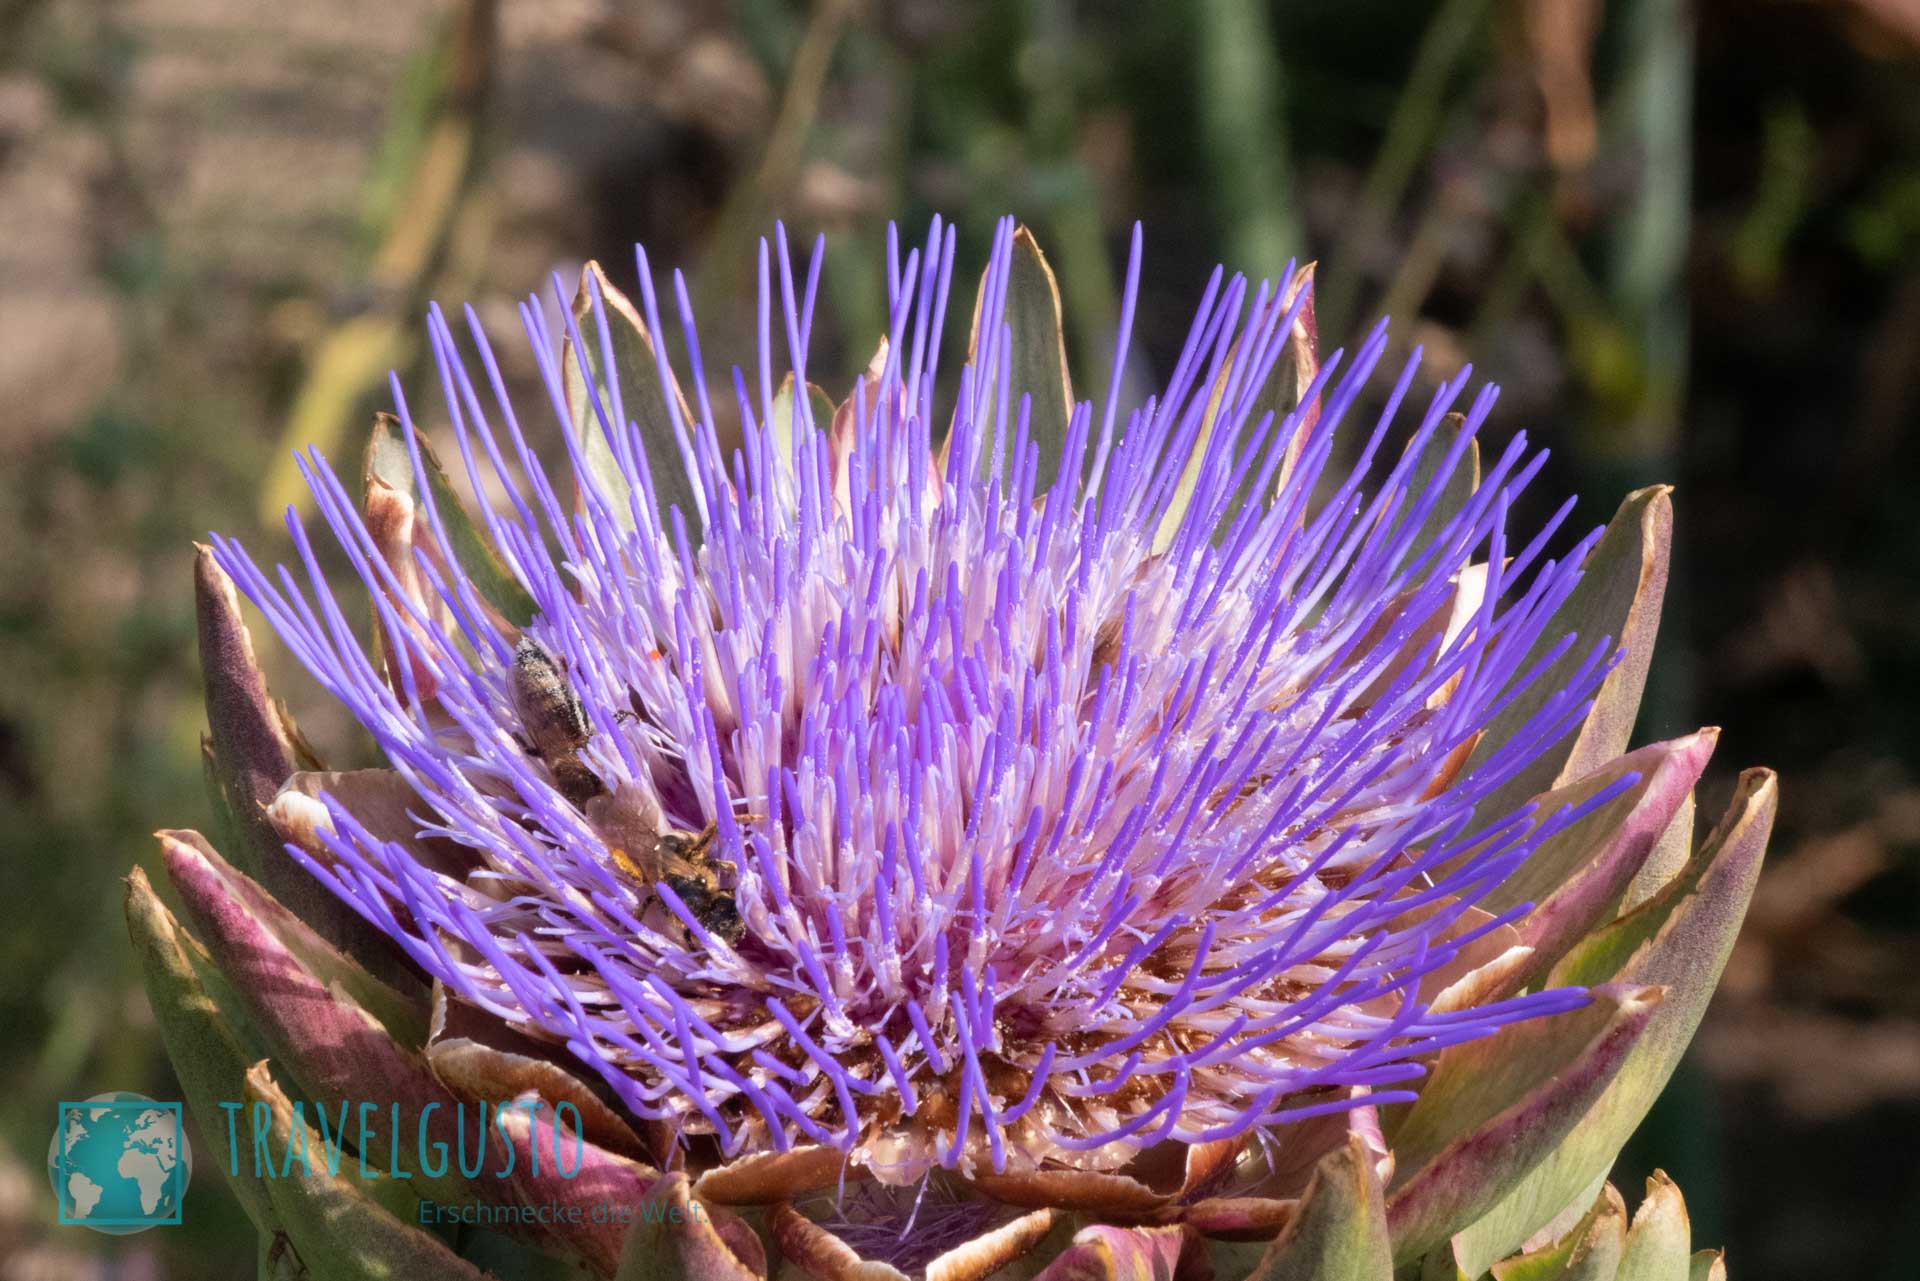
<point>1243,134</point>
<point>1653,116</point>
<point>1090,293</point>
<point>765,189</point>
<point>352,356</point>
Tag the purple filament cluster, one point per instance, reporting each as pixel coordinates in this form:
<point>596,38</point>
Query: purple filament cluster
<point>1050,843</point>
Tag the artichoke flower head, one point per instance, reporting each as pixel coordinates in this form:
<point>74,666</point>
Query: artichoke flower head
<point>1017,835</point>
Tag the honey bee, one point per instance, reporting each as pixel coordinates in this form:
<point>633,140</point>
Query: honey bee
<point>554,720</point>
<point>646,852</point>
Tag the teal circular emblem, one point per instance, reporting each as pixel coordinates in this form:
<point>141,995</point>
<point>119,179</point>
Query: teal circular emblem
<point>119,1163</point>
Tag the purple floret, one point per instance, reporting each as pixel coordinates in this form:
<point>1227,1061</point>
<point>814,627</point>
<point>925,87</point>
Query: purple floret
<point>1057,826</point>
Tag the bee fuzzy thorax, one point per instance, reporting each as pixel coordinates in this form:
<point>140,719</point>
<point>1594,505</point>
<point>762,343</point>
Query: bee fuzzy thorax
<point>647,852</point>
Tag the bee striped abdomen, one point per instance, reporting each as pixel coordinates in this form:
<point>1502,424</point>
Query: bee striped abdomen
<point>554,719</point>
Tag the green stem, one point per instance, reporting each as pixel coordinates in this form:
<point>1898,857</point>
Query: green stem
<point>1243,133</point>
<point>1646,266</point>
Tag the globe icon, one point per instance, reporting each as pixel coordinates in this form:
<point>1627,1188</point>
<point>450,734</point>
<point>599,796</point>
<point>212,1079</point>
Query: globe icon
<point>119,1163</point>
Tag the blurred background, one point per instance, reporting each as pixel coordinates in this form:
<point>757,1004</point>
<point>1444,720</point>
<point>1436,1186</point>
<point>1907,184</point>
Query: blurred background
<point>1684,237</point>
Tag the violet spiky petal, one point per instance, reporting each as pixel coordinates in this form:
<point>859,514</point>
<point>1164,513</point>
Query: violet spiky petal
<point>1060,821</point>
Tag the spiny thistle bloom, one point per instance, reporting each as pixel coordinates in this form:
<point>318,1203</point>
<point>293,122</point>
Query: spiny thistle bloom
<point>1053,836</point>
<point>992,787</point>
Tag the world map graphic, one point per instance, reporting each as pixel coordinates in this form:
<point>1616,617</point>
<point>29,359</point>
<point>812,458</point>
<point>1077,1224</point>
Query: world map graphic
<point>119,1163</point>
